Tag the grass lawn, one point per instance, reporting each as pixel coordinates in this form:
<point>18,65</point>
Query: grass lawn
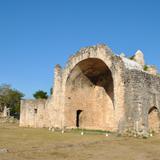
<point>41,144</point>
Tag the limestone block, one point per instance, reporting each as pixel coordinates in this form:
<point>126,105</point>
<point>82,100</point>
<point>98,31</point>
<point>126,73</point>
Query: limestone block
<point>139,58</point>
<point>152,70</point>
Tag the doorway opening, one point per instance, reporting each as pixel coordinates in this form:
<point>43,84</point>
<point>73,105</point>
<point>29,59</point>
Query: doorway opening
<point>154,119</point>
<point>78,118</point>
<point>35,110</point>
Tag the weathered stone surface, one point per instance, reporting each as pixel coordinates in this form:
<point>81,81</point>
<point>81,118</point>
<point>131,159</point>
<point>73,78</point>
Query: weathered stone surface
<point>98,90</point>
<point>122,55</point>
<point>3,150</point>
<point>5,116</point>
<point>6,112</point>
<point>33,113</point>
<point>139,58</point>
<point>152,70</point>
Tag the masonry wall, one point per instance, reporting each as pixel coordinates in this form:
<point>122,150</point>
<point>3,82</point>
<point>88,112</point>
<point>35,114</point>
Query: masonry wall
<point>90,90</point>
<point>54,107</point>
<point>104,108</point>
<point>121,103</point>
<point>107,114</point>
<point>33,113</point>
<point>142,92</point>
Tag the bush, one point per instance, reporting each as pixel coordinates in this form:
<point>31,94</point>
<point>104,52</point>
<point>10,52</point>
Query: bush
<point>145,68</point>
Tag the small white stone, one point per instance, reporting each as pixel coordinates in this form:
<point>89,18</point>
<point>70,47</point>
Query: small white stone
<point>107,135</point>
<point>82,133</point>
<point>62,131</point>
<point>3,150</point>
<point>52,130</point>
<point>151,135</point>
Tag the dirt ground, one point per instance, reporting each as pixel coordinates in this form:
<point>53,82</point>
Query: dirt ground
<point>41,144</point>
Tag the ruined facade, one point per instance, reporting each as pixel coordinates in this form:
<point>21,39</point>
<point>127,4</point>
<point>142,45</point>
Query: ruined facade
<point>99,90</point>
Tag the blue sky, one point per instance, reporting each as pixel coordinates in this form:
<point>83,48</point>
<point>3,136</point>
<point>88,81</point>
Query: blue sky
<point>35,35</point>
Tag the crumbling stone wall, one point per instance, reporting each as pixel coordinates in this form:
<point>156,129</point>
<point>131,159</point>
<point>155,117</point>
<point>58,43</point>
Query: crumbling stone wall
<point>142,93</point>
<point>98,90</point>
<point>32,113</point>
<point>95,105</point>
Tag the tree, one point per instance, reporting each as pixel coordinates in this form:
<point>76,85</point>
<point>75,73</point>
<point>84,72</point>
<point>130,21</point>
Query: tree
<point>10,98</point>
<point>40,95</point>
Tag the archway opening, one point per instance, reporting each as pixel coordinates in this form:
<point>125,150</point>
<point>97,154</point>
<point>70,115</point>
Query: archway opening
<point>89,88</point>
<point>154,119</point>
<point>78,118</point>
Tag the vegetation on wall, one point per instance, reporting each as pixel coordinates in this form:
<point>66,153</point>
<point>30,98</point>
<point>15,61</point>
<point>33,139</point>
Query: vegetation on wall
<point>145,68</point>
<point>131,58</point>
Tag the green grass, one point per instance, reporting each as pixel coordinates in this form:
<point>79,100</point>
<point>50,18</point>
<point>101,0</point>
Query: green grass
<point>89,131</point>
<point>41,144</point>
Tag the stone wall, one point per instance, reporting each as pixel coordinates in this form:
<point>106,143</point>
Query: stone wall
<point>114,109</point>
<point>32,113</point>
<point>90,89</point>
<point>142,93</point>
<point>98,90</point>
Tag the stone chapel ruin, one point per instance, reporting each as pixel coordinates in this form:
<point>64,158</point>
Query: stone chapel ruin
<point>99,90</point>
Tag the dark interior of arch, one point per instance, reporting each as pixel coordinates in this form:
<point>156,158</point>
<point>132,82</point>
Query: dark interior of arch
<point>152,109</point>
<point>96,71</point>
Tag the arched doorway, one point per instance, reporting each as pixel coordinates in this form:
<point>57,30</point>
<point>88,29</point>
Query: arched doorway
<point>153,119</point>
<point>89,96</point>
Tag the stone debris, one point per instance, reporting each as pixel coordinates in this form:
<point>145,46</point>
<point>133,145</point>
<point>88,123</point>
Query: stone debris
<point>130,64</point>
<point>62,131</point>
<point>52,129</point>
<point>152,70</point>
<point>3,150</point>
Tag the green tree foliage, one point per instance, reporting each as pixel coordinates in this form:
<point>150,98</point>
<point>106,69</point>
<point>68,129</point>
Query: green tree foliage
<point>131,58</point>
<point>145,68</point>
<point>10,98</point>
<point>40,95</point>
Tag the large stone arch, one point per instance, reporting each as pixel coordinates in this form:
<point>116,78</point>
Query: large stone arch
<point>101,52</point>
<point>104,87</point>
<point>89,96</point>
<point>102,55</point>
